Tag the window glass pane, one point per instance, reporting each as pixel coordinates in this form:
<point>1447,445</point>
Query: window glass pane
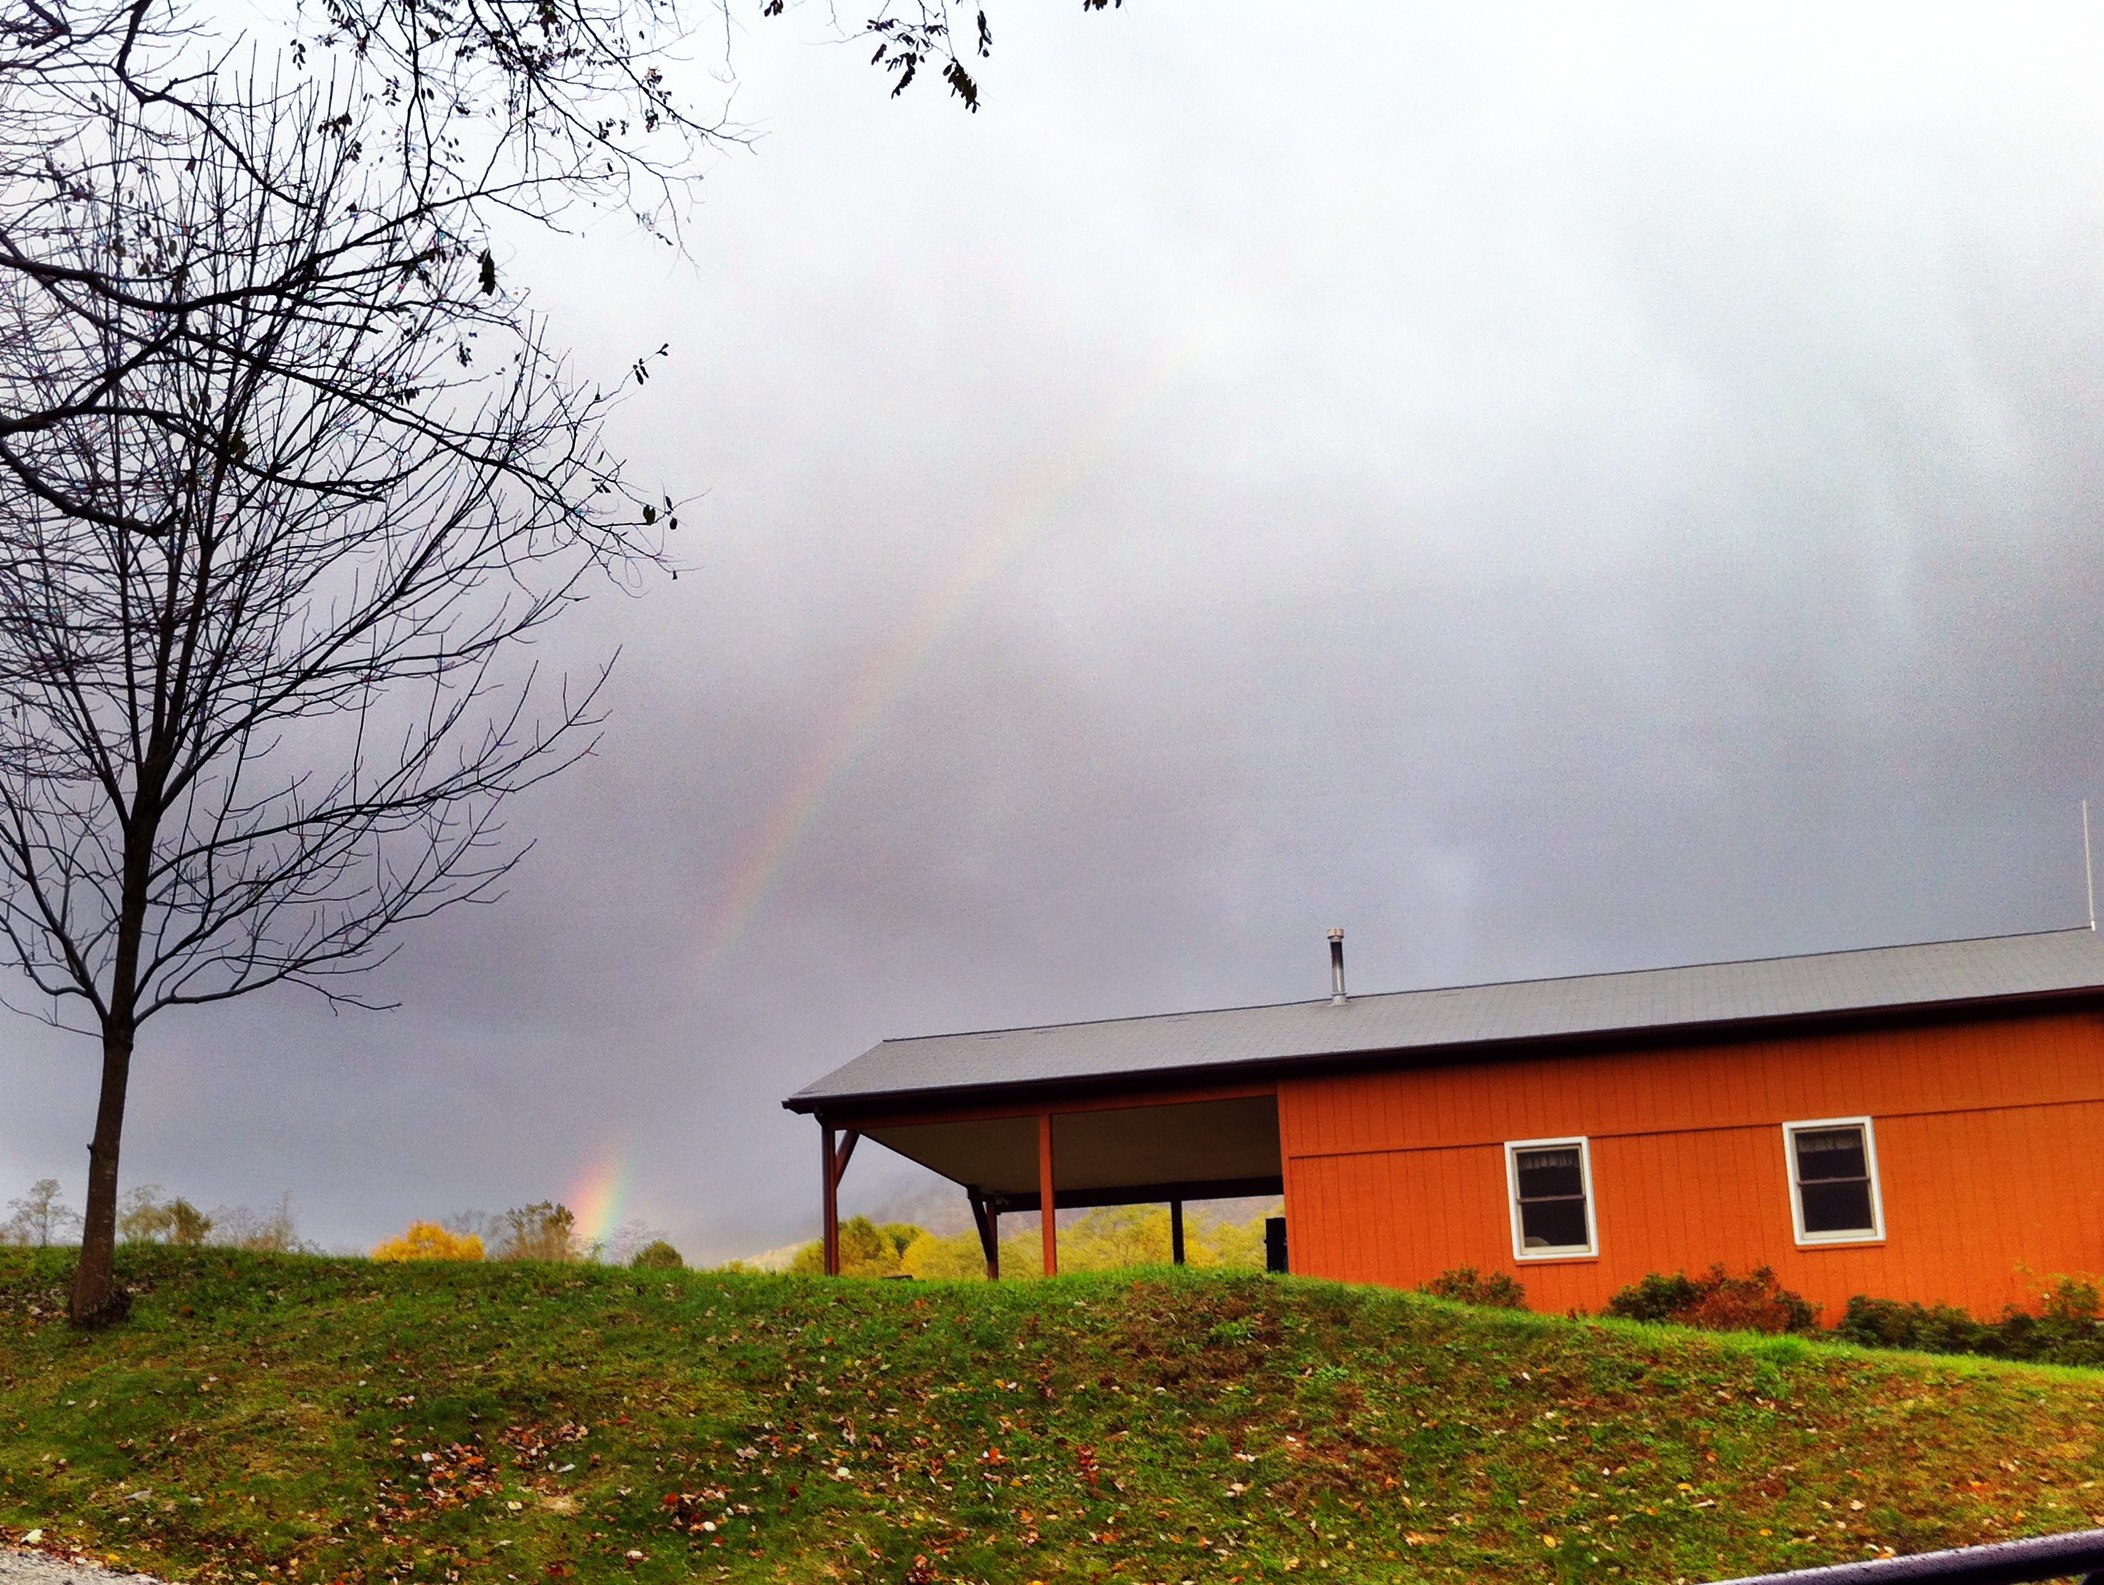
<point>1837,1206</point>
<point>1831,1153</point>
<point>1833,1179</point>
<point>1544,1173</point>
<point>1553,1224</point>
<point>1552,1208</point>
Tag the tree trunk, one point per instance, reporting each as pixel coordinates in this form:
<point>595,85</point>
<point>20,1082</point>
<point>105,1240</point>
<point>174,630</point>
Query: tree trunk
<point>98,1301</point>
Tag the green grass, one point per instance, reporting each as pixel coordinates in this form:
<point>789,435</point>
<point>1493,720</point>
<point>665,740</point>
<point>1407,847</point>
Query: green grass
<point>313,1419</point>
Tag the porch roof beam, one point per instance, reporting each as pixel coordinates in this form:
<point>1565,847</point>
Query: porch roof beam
<point>1137,1194</point>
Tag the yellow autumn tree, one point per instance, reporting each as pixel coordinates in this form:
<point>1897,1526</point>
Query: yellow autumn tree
<point>429,1241</point>
<point>948,1257</point>
<point>866,1250</point>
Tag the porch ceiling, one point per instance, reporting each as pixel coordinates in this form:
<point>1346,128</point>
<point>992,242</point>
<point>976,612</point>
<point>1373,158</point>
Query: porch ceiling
<point>1111,1156</point>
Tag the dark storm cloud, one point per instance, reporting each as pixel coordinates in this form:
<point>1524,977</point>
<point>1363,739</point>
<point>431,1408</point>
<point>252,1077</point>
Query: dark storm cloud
<point>1574,489</point>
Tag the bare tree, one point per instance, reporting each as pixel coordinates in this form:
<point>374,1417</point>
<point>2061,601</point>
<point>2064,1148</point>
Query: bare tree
<point>263,602</point>
<point>39,1218</point>
<point>469,113</point>
<point>287,477</point>
<point>542,1231</point>
<point>445,122</point>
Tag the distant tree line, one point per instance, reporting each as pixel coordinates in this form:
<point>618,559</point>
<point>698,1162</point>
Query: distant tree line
<point>546,1230</point>
<point>42,1219</point>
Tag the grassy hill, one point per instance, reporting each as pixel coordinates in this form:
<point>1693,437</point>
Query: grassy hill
<point>296,1418</point>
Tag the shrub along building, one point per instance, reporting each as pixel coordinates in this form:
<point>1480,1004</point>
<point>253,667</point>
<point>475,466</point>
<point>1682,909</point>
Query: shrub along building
<point>1914,1122</point>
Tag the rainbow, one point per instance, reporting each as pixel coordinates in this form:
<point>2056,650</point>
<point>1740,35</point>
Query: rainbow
<point>599,1196</point>
<point>756,874</point>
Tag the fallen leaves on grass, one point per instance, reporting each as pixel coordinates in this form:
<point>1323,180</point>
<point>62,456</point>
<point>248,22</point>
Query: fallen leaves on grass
<point>693,1511</point>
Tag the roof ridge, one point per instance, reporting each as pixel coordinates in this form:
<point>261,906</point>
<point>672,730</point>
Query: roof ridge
<point>1485,985</point>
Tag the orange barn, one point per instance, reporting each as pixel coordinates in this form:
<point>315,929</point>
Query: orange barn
<point>1916,1122</point>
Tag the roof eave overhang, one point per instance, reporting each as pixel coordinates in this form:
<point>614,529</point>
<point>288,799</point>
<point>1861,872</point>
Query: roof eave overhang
<point>875,1104</point>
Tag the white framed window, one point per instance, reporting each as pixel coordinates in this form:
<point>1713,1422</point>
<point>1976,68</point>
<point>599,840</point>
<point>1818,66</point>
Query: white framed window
<point>1550,1184</point>
<point>1834,1180</point>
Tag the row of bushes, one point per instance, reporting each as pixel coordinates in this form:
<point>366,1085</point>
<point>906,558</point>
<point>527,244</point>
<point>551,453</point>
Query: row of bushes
<point>2067,1330</point>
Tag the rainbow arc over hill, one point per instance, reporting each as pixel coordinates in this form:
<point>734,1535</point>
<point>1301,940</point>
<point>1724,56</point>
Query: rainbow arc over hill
<point>601,1193</point>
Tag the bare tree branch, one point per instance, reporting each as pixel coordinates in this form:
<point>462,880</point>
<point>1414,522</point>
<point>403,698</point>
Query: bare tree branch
<point>267,578</point>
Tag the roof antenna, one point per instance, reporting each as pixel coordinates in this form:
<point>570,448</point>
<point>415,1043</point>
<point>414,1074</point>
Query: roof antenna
<point>1337,963</point>
<point>2089,870</point>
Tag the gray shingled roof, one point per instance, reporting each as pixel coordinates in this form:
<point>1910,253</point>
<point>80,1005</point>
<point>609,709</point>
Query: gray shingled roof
<point>1989,969</point>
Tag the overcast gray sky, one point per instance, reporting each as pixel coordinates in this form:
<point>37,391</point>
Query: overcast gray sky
<point>1546,488</point>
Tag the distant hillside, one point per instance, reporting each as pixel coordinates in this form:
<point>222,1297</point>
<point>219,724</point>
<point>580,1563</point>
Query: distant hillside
<point>313,1419</point>
<point>770,1259</point>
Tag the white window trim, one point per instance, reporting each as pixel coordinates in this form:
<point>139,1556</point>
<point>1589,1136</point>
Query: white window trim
<point>1876,1234</point>
<point>1590,1250</point>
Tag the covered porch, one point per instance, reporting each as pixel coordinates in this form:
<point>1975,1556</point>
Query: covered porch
<point>1077,1154</point>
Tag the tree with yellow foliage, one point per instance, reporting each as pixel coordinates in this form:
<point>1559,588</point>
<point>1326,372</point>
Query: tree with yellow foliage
<point>429,1241</point>
<point>866,1250</point>
<point>945,1257</point>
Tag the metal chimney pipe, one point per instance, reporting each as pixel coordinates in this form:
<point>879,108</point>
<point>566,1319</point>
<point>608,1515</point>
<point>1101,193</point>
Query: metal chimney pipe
<point>1336,968</point>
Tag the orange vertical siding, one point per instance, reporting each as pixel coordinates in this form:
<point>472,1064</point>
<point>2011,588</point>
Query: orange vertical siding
<point>1985,1132</point>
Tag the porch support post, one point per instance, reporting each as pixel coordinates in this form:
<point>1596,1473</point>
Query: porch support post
<point>830,1200</point>
<point>988,1221</point>
<point>834,1165</point>
<point>1048,1212</point>
<point>1176,1253</point>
